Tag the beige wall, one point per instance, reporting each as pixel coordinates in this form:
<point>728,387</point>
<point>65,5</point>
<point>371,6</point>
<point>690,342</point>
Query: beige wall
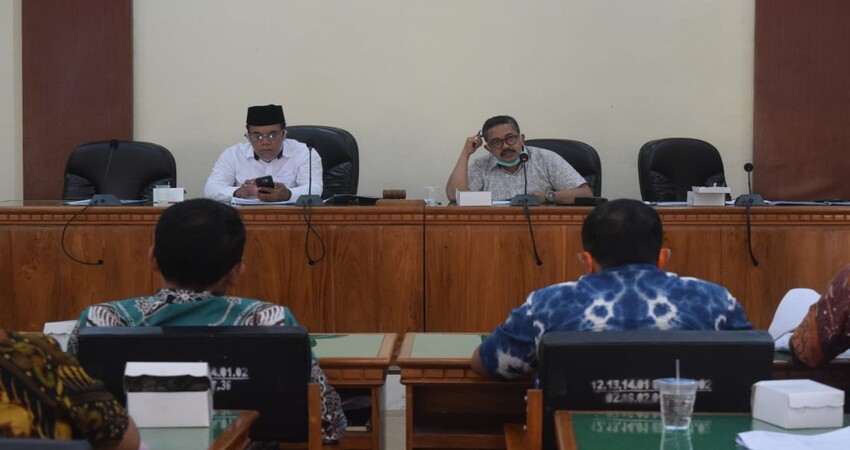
<point>11,165</point>
<point>411,79</point>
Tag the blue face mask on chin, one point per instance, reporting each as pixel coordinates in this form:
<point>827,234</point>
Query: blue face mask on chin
<point>507,164</point>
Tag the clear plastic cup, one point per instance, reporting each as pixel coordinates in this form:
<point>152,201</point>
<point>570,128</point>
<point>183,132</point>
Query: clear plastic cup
<point>677,396</point>
<point>430,195</point>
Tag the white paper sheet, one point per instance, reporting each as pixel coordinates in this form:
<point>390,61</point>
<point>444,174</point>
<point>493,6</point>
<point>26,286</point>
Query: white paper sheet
<point>771,440</point>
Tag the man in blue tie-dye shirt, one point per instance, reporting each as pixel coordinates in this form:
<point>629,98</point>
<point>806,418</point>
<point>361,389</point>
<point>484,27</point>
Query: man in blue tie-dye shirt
<point>625,289</point>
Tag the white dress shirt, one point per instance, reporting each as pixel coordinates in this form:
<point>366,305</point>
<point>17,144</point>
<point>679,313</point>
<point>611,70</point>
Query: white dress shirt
<point>237,164</point>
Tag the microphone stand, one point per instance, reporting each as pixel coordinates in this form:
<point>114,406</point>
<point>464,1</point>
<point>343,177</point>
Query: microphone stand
<point>310,199</point>
<point>525,200</point>
<point>749,199</point>
<point>107,199</point>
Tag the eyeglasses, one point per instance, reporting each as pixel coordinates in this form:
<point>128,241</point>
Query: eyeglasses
<point>498,143</point>
<point>257,137</point>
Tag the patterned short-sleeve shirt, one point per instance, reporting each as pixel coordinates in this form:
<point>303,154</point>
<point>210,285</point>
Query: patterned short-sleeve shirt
<point>546,171</point>
<point>186,308</point>
<point>631,297</point>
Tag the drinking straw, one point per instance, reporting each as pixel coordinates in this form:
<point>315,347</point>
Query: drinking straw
<point>677,376</point>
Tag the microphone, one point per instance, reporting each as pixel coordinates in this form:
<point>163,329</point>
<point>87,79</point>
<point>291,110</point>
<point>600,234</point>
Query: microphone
<point>107,199</point>
<point>524,199</point>
<point>310,199</point>
<point>749,199</point>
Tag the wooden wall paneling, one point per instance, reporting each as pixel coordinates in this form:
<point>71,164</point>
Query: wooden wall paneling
<point>77,60</point>
<point>801,99</point>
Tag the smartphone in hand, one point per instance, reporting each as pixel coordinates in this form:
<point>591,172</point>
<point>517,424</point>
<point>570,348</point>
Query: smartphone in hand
<point>264,182</point>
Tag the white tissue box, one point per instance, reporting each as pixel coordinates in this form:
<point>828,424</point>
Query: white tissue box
<point>172,408</point>
<point>168,195</point>
<point>794,404</point>
<point>474,198</point>
<point>708,195</point>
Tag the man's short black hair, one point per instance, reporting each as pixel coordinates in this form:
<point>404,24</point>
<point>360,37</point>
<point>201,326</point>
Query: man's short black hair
<point>622,231</point>
<point>197,242</point>
<point>496,121</point>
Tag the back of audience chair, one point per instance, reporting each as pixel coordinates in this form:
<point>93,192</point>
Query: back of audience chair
<point>339,152</point>
<point>262,368</point>
<point>581,156</point>
<point>614,370</point>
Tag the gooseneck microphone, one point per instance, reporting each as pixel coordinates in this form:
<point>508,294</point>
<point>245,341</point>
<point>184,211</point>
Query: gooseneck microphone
<point>107,199</point>
<point>748,167</point>
<point>525,200</point>
<point>308,201</point>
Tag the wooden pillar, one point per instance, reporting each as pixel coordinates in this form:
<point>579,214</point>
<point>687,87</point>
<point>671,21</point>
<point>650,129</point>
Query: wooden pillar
<point>77,83</point>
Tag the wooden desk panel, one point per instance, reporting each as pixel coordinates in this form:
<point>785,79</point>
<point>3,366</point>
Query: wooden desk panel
<point>449,405</point>
<point>479,261</point>
<point>398,266</point>
<point>359,362</point>
<point>370,279</point>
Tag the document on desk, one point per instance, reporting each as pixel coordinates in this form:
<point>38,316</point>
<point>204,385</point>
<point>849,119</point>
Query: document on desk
<point>256,201</point>
<point>772,440</point>
<point>88,200</point>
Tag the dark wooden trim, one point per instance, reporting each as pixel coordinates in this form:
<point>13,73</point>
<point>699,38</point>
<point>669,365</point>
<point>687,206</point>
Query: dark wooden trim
<point>801,99</point>
<point>77,83</point>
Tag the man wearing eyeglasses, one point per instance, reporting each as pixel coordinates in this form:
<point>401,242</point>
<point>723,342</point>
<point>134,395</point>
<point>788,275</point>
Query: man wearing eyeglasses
<point>550,178</point>
<point>267,152</point>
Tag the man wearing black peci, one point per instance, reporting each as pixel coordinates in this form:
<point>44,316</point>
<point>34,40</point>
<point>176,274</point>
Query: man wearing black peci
<point>267,153</point>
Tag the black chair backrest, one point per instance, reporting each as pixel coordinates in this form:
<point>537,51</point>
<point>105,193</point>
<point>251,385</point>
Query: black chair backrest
<point>669,167</point>
<point>339,152</point>
<point>582,370</point>
<point>46,444</point>
<point>134,168</point>
<point>264,368</point>
<point>580,155</point>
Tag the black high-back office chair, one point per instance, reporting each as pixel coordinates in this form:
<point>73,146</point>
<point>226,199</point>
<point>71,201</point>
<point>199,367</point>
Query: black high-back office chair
<point>127,169</point>
<point>668,168</point>
<point>580,155</point>
<point>339,152</point>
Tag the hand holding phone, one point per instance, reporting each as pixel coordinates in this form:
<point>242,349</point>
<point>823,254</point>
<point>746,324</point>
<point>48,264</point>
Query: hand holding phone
<point>264,182</point>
